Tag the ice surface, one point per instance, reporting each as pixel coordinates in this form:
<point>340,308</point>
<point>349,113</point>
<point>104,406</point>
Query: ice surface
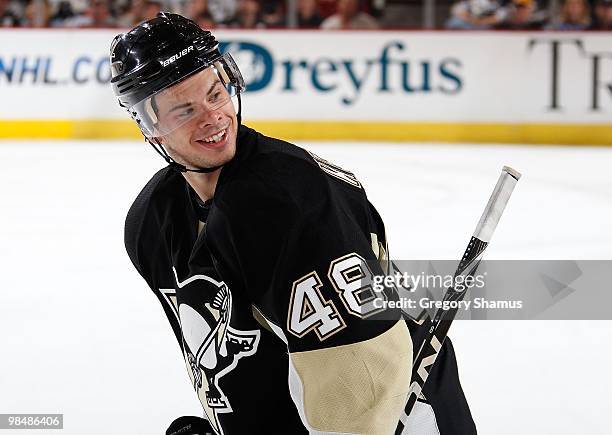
<point>81,334</point>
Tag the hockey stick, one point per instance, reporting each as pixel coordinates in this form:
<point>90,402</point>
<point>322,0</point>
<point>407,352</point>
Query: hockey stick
<point>436,335</point>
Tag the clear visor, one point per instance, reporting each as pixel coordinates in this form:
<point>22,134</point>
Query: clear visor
<point>190,99</point>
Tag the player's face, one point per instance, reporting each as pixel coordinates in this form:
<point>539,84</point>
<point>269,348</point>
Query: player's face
<point>208,138</point>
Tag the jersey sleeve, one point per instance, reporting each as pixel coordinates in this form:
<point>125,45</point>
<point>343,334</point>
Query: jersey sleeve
<point>142,235</point>
<point>305,248</point>
<point>145,245</point>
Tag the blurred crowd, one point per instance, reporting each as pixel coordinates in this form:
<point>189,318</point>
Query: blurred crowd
<point>530,15</point>
<point>247,14</point>
<point>312,14</point>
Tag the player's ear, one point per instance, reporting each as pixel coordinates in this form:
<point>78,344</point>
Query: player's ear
<point>158,136</point>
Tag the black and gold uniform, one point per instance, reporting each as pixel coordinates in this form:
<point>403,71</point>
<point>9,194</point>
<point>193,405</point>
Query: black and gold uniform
<point>265,287</point>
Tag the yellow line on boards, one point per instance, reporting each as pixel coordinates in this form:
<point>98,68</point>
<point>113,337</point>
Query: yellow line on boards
<point>571,134</point>
<point>68,129</point>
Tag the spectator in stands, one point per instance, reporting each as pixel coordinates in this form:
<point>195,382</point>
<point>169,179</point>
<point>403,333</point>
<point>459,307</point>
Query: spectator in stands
<point>133,15</point>
<point>476,15</point>
<point>376,8</point>
<point>273,13</point>
<point>37,14</point>
<point>575,15</point>
<point>64,12</point>
<point>348,16</point>
<point>195,8</point>
<point>308,14</point>
<point>97,15</point>
<point>222,11</point>
<point>603,15</point>
<point>248,16</point>
<point>7,17</point>
<point>327,8</point>
<point>140,10</point>
<point>523,15</point>
<point>205,21</point>
<point>151,9</point>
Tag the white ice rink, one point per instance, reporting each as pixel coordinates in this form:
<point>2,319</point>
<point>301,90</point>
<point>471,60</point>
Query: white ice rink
<point>81,334</point>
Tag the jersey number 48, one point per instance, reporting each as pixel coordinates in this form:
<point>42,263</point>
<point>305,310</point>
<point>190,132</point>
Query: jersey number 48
<point>351,278</point>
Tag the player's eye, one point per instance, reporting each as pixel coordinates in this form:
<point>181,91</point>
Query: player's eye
<point>185,113</point>
<point>214,97</point>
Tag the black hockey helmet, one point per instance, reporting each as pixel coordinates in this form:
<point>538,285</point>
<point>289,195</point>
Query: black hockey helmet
<point>160,53</point>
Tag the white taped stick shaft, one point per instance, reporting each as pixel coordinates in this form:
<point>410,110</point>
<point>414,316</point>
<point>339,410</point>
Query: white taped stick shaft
<point>497,203</point>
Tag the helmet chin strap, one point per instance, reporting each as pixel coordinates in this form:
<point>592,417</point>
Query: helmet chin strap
<point>159,148</point>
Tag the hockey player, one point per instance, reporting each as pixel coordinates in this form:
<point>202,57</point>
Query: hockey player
<point>260,254</point>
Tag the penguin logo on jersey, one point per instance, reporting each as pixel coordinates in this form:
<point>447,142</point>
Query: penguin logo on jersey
<point>212,348</point>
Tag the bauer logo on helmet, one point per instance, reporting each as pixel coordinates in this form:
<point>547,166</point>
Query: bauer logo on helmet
<point>176,56</point>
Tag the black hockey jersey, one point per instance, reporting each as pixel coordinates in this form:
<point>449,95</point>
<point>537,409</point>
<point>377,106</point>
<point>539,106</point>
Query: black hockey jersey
<point>267,267</point>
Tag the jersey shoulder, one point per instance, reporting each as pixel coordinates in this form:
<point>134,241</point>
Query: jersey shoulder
<point>295,168</point>
<point>150,212</point>
<point>283,176</point>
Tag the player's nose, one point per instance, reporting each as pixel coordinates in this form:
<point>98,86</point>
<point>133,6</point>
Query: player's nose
<point>209,118</point>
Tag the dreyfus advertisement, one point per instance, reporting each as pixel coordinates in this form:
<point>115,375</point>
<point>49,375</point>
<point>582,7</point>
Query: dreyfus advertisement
<point>364,76</point>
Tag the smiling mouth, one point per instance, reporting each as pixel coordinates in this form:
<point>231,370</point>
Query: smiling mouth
<point>215,137</point>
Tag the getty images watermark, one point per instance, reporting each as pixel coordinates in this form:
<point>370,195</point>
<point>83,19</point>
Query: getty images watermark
<point>428,282</point>
<point>498,290</point>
